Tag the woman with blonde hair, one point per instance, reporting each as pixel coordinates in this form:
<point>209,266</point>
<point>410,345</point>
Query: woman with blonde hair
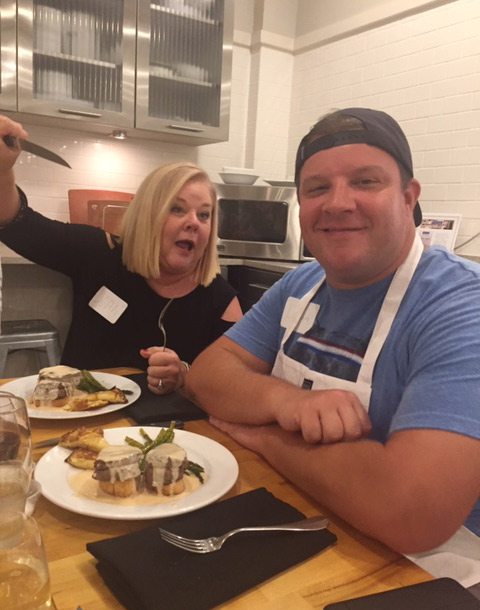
<point>151,296</point>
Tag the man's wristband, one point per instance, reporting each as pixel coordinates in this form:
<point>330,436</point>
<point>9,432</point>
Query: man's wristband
<point>186,365</point>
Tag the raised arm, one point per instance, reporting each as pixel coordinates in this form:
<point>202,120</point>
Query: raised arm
<point>9,202</point>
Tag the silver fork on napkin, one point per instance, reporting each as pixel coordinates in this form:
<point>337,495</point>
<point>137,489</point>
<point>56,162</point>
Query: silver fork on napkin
<point>214,543</point>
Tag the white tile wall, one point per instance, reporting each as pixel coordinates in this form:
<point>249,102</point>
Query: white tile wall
<point>269,112</point>
<point>425,71</point>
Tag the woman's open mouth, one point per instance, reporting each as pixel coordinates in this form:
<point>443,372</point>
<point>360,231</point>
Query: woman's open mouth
<point>185,244</point>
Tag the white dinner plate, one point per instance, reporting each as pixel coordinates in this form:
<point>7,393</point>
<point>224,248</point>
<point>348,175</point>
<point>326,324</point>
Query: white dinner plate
<point>24,387</point>
<point>221,470</point>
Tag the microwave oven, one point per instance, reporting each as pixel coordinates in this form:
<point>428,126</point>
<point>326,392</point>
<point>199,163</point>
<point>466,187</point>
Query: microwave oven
<point>259,222</point>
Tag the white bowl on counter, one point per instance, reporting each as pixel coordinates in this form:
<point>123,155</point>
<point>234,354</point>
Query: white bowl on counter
<point>238,175</point>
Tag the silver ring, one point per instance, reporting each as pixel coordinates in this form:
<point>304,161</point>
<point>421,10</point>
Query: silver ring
<point>160,383</point>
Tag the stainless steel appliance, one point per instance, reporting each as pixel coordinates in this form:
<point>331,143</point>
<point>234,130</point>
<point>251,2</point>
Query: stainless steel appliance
<point>259,222</point>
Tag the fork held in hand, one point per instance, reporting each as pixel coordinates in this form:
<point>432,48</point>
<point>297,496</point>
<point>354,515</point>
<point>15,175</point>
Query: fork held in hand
<point>160,323</point>
<point>214,543</point>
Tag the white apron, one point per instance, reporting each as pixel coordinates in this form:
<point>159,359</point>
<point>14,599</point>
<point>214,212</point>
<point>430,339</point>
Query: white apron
<point>295,372</point>
<point>459,557</point>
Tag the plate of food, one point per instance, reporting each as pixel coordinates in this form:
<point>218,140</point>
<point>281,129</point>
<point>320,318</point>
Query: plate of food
<point>135,473</point>
<point>62,392</point>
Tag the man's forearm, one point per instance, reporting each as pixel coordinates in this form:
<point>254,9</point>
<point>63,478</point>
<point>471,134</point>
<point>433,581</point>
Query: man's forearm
<point>409,493</point>
<point>227,387</point>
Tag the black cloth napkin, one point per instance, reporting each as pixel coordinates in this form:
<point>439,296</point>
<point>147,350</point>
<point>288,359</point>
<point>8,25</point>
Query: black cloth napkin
<point>151,408</point>
<point>439,594</point>
<point>146,573</point>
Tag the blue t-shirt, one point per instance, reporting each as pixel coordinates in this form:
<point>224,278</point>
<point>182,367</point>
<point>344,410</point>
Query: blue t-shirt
<point>428,372</point>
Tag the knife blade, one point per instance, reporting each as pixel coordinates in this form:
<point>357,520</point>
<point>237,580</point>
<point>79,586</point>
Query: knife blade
<point>178,424</point>
<point>49,442</point>
<point>35,149</point>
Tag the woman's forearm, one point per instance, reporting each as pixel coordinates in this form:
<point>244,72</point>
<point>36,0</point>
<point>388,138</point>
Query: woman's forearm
<point>9,196</point>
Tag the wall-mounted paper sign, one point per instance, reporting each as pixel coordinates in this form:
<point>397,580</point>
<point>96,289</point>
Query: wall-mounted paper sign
<point>439,229</point>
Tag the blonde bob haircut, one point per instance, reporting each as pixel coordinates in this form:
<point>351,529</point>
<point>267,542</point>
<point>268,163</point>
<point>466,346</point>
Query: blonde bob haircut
<point>145,217</point>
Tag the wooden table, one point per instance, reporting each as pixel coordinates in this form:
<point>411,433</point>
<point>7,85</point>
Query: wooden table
<point>355,566</point>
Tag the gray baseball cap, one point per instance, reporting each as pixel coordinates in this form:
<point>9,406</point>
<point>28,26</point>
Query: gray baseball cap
<point>377,129</point>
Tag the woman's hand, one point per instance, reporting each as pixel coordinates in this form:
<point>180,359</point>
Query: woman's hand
<point>9,154</point>
<point>165,372</point>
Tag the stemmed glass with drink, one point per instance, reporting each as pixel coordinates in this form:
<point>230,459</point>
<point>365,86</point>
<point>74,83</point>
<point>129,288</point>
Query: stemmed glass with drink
<point>16,465</point>
<point>24,579</point>
<point>15,435</point>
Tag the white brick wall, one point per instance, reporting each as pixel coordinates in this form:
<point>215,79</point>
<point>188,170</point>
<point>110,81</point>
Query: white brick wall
<point>425,71</point>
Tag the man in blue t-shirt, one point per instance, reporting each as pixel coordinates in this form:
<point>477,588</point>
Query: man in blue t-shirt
<point>358,376</point>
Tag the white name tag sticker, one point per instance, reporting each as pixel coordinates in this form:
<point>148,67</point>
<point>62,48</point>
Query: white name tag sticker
<point>108,304</point>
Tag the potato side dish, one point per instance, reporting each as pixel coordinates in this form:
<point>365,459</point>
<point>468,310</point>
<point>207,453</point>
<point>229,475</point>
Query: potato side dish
<point>86,444</point>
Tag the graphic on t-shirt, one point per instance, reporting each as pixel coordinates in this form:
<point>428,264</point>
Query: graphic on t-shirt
<point>331,353</point>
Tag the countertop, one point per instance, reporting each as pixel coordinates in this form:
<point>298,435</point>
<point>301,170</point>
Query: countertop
<point>268,265</point>
<point>10,257</point>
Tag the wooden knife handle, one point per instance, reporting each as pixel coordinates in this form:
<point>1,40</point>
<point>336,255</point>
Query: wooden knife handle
<point>11,141</point>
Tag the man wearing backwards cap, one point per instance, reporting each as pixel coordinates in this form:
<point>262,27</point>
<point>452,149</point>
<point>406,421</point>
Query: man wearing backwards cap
<point>358,376</point>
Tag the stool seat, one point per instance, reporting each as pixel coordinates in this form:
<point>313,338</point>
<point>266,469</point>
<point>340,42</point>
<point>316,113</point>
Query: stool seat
<point>38,335</point>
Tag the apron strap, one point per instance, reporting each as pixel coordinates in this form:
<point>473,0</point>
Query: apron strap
<point>390,306</point>
<point>303,303</point>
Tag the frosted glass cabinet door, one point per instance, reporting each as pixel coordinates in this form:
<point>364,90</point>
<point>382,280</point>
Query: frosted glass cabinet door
<point>76,59</point>
<point>8,58</point>
<point>184,58</point>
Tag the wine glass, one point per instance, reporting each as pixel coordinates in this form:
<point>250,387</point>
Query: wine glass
<point>24,576</point>
<point>16,465</point>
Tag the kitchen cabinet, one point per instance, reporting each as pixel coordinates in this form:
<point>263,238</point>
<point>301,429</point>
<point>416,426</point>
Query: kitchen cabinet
<point>184,66</point>
<point>156,66</point>
<point>8,53</point>
<point>251,283</point>
<point>76,59</point>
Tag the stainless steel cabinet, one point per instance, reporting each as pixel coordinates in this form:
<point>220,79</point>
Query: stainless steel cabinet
<point>184,58</point>
<point>76,58</point>
<point>156,65</point>
<point>8,55</point>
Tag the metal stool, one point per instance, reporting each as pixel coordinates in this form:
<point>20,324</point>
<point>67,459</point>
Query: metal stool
<point>39,335</point>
